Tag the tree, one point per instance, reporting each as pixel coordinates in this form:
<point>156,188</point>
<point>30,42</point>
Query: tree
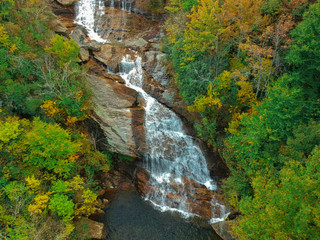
<point>287,208</point>
<point>49,146</point>
<point>66,51</point>
<point>304,53</point>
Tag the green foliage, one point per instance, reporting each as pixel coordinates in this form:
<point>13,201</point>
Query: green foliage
<point>304,54</point>
<point>304,138</point>
<point>229,61</point>
<point>50,147</point>
<point>41,191</point>
<point>59,186</point>
<point>6,7</point>
<point>271,6</point>
<point>67,51</point>
<point>274,155</point>
<point>189,4</point>
<point>192,78</point>
<point>255,147</point>
<point>287,208</point>
<point>63,206</point>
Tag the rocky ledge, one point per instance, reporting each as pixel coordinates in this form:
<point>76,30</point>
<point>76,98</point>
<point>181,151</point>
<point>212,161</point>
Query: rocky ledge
<point>119,113</point>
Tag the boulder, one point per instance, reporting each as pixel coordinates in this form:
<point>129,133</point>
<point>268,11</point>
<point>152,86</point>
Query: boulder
<point>66,2</point>
<point>97,229</point>
<point>111,56</point>
<point>136,43</point>
<point>153,65</point>
<point>98,214</point>
<point>79,34</point>
<point>115,110</point>
<point>84,55</point>
<point>224,229</point>
<point>57,26</point>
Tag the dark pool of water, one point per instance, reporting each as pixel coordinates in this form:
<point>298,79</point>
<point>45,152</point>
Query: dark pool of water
<point>129,217</point>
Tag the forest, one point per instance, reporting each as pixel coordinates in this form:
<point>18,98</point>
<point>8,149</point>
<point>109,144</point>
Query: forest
<point>249,68</point>
<point>48,161</point>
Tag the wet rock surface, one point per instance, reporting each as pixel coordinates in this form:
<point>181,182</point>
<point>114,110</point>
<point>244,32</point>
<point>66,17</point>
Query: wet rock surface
<point>199,202</point>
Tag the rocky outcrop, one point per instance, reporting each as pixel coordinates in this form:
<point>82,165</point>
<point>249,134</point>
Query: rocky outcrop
<point>117,111</point>
<point>64,18</point>
<point>153,64</point>
<point>97,229</point>
<point>66,2</point>
<point>111,56</point>
<point>224,229</point>
<point>140,7</point>
<point>57,26</point>
<point>80,36</point>
<point>84,55</point>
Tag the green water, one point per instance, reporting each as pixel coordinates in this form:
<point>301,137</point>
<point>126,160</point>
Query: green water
<point>129,217</point>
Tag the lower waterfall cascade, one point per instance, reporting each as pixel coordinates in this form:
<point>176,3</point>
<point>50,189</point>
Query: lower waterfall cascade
<point>171,155</point>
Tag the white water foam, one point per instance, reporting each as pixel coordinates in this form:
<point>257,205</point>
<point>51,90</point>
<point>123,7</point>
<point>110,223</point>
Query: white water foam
<point>89,14</point>
<point>172,155</point>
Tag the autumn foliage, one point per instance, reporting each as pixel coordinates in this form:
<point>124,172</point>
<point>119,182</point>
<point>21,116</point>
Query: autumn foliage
<point>47,160</point>
<point>250,68</point>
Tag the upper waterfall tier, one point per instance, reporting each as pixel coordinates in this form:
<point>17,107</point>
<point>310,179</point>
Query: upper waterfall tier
<point>89,13</point>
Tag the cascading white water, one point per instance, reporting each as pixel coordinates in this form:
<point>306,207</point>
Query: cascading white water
<point>171,155</point>
<point>89,14</point>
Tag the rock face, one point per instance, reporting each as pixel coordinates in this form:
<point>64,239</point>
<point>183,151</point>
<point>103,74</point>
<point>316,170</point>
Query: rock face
<point>97,229</point>
<point>58,27</point>
<point>79,35</point>
<point>224,229</point>
<point>116,110</point>
<point>154,66</point>
<point>66,2</point>
<point>111,56</point>
<point>136,6</point>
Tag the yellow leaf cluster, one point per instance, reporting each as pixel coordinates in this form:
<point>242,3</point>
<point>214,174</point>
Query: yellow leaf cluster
<point>235,121</point>
<point>76,183</point>
<point>71,120</point>
<point>87,206</point>
<point>50,108</point>
<point>33,183</point>
<point>40,203</point>
<point>4,37</point>
<point>245,93</point>
<point>13,48</point>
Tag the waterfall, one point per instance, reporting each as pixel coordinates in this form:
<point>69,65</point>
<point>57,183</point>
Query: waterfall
<point>89,13</point>
<point>172,155</point>
<point>173,158</point>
